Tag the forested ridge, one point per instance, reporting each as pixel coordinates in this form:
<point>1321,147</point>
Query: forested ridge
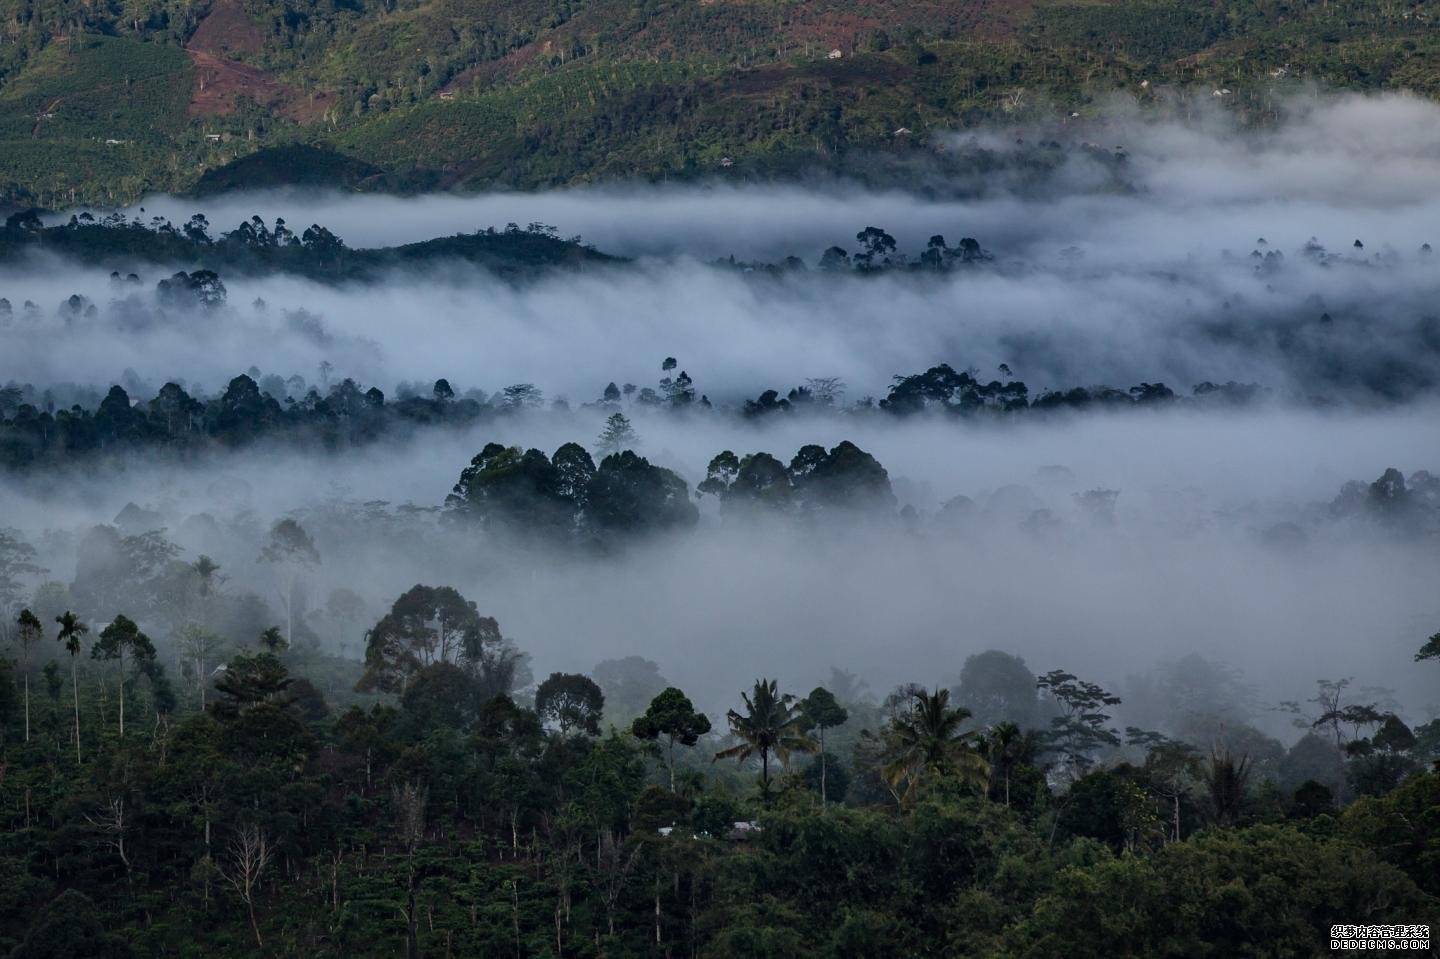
<point>103,102</point>
<point>215,776</point>
<point>264,753</point>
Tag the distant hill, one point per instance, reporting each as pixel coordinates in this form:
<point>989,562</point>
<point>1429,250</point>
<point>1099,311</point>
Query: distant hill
<point>291,165</point>
<point>100,103</point>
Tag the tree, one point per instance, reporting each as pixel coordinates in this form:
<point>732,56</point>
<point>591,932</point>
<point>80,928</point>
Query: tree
<point>205,575</point>
<point>1007,747</point>
<point>1334,714</point>
<point>16,560</point>
<point>410,800</point>
<point>672,715</point>
<point>1431,649</point>
<point>429,624</point>
<point>1080,730</point>
<point>618,435</point>
<point>771,724</point>
<point>28,634</point>
<point>119,640</point>
<point>571,701</point>
<point>998,687</point>
<point>629,496</point>
<point>629,684</point>
<point>927,739</point>
<point>72,635</point>
<point>272,641</point>
<point>822,711</point>
<point>876,247</point>
<point>1226,779</point>
<point>249,855</point>
<point>201,647</point>
<point>251,680</point>
<point>844,479</point>
<point>517,491</point>
<point>291,550</point>
<point>1172,767</point>
<point>70,926</point>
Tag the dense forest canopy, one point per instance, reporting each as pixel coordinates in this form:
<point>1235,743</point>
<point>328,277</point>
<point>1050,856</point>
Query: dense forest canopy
<point>374,775</point>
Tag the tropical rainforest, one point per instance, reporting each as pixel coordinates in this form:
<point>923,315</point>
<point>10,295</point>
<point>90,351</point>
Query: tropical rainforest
<point>582,478</point>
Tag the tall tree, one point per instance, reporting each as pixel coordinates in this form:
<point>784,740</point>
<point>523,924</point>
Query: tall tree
<point>29,633</point>
<point>823,711</point>
<point>291,551</point>
<point>201,647</point>
<point>673,716</point>
<point>772,724</point>
<point>119,641</point>
<point>1080,730</point>
<point>1007,747</point>
<point>72,637</point>
<point>571,701</point>
<point>618,435</point>
<point>250,853</point>
<point>427,625</point>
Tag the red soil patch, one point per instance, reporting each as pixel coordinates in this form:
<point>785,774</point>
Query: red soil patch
<point>220,83</point>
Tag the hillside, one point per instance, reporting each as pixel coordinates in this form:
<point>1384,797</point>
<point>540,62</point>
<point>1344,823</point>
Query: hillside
<point>100,103</point>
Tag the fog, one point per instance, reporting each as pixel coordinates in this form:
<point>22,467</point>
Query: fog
<point>1105,272</point>
<point>1337,167</point>
<point>1186,567</point>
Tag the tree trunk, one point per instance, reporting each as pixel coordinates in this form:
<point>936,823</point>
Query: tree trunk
<point>75,685</point>
<point>254,926</point>
<point>27,703</point>
<point>822,765</point>
<point>120,681</point>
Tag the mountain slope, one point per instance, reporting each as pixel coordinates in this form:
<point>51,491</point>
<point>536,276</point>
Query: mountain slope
<point>525,93</point>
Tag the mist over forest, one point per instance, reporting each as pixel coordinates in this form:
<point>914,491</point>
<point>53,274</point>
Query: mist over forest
<point>1154,402</point>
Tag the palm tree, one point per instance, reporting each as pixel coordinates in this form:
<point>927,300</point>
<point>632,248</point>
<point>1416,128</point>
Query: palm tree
<point>927,739</point>
<point>1226,779</point>
<point>773,723</point>
<point>1007,746</point>
<point>30,631</point>
<point>205,569</point>
<point>71,635</point>
<point>273,641</point>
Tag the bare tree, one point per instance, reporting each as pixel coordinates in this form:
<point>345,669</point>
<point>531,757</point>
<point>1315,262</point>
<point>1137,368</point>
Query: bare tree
<point>410,800</point>
<point>249,854</point>
<point>616,864</point>
<point>111,824</point>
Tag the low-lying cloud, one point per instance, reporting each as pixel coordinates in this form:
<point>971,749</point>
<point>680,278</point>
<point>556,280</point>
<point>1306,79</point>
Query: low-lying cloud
<point>1146,268</point>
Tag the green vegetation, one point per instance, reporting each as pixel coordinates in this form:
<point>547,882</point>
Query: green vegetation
<point>471,94</point>
<point>438,801</point>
